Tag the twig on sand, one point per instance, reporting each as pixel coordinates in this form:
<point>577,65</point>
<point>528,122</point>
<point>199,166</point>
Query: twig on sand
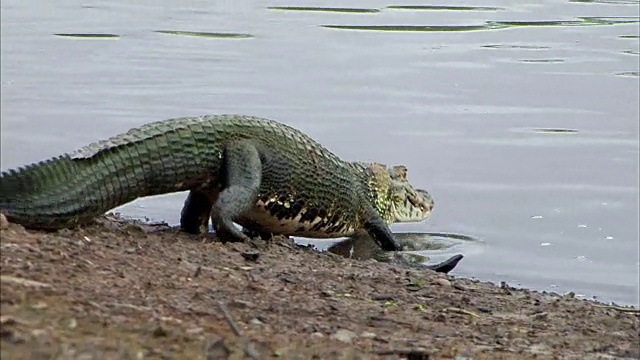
<point>248,346</point>
<point>460,311</point>
<point>131,306</point>
<point>21,281</point>
<point>411,353</point>
<point>619,308</point>
<point>232,324</point>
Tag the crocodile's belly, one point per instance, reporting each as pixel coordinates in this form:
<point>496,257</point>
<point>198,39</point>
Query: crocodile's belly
<point>297,220</point>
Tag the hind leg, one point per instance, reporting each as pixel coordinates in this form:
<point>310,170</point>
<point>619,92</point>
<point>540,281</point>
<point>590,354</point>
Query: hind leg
<point>194,218</point>
<point>252,233</point>
<point>240,174</point>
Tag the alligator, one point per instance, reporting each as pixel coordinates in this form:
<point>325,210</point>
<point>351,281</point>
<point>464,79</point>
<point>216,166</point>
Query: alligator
<point>263,175</point>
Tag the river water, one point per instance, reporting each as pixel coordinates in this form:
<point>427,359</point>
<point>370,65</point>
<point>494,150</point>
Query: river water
<point>521,118</point>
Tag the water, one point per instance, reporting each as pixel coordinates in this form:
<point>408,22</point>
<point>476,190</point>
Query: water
<point>521,118</point>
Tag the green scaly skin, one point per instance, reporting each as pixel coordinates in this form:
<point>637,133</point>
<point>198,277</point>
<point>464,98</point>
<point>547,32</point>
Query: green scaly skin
<point>263,175</point>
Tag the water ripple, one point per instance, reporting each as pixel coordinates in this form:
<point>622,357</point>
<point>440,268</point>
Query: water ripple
<point>492,25</point>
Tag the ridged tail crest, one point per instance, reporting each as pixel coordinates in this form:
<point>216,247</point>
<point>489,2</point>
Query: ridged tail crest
<point>68,190</point>
<point>45,188</point>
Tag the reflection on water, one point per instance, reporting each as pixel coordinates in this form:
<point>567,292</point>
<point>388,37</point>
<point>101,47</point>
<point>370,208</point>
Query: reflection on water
<point>620,2</point>
<point>418,248</point>
<point>518,47</point>
<point>520,119</point>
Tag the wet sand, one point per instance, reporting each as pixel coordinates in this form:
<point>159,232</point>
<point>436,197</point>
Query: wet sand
<point>117,290</point>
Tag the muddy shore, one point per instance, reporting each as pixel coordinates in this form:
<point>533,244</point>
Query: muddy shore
<point>115,291</point>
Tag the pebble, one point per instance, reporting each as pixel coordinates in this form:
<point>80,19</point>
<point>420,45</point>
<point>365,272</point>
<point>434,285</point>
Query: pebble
<point>344,335</point>
<point>195,331</point>
<point>217,349</point>
<point>368,335</point>
<point>317,335</point>
<point>4,223</point>
<point>242,304</point>
<point>443,282</point>
<point>255,321</point>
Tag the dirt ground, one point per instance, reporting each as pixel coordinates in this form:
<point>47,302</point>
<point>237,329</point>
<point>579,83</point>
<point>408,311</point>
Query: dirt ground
<point>116,291</point>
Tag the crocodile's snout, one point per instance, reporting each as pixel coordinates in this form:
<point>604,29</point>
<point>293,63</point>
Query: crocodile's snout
<point>414,206</point>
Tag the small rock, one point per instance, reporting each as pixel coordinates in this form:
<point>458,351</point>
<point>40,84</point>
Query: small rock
<point>39,305</point>
<point>443,282</point>
<point>242,304</point>
<point>539,349</point>
<point>344,335</point>
<point>7,320</point>
<point>440,318</point>
<point>540,316</point>
<point>159,331</point>
<point>195,331</point>
<point>317,335</point>
<point>250,255</point>
<point>328,293</point>
<point>65,233</point>
<point>255,321</point>
<point>4,223</point>
<point>368,335</point>
<point>217,349</point>
<point>198,272</point>
<point>461,287</point>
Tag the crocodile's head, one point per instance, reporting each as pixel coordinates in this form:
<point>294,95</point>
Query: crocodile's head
<point>407,204</point>
<point>396,199</point>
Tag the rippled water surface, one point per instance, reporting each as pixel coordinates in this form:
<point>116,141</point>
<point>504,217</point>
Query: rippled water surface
<point>521,118</point>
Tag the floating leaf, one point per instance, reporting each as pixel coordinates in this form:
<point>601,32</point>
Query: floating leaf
<point>215,35</point>
<point>88,35</point>
<point>323,9</point>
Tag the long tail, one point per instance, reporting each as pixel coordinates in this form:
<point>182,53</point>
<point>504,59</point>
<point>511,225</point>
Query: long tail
<point>72,189</point>
<point>49,190</point>
<point>445,266</point>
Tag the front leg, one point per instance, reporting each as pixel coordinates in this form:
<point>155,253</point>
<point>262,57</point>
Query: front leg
<point>379,231</point>
<point>240,175</point>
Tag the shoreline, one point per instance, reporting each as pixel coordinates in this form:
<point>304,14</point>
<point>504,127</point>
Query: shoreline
<point>113,289</point>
